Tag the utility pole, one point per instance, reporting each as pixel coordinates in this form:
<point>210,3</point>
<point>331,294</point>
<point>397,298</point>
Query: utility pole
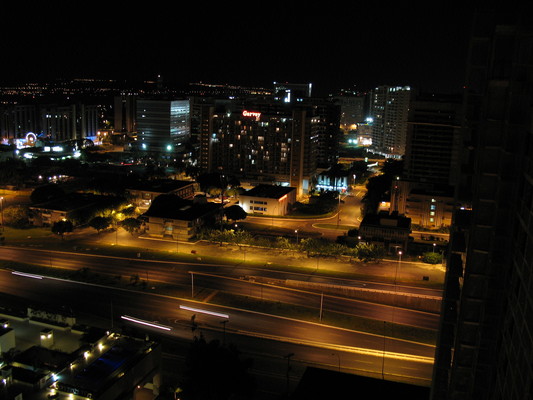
<point>288,357</point>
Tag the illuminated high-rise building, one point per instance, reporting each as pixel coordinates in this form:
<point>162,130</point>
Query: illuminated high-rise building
<point>267,140</point>
<point>163,125</point>
<point>389,108</point>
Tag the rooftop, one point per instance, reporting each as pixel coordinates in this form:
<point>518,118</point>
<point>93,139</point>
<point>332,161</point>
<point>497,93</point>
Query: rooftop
<point>160,185</point>
<point>74,201</point>
<point>269,191</point>
<point>385,219</point>
<point>172,206</point>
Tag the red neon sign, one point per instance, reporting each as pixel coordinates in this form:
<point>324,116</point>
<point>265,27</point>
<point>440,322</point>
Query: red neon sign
<point>253,114</point>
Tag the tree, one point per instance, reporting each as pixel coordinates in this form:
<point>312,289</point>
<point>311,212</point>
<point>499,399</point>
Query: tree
<point>131,225</point>
<point>100,223</point>
<point>317,246</point>
<point>368,252</point>
<point>359,169</point>
<point>432,257</point>
<point>46,192</point>
<point>16,216</point>
<point>235,213</point>
<point>211,179</point>
<point>392,167</point>
<point>13,172</point>
<point>62,227</point>
<point>214,191</point>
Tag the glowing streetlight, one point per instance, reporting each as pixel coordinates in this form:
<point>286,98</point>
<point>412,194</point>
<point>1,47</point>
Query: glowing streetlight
<point>398,267</point>
<point>296,231</point>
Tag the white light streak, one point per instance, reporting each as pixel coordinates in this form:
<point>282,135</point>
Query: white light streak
<point>140,321</point>
<point>27,275</point>
<point>205,312</point>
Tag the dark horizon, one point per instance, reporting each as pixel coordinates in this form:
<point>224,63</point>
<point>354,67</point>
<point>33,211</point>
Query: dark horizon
<point>360,48</point>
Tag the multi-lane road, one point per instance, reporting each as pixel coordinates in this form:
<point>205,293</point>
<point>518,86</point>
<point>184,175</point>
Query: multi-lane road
<point>265,285</point>
<point>265,337</point>
<point>314,344</point>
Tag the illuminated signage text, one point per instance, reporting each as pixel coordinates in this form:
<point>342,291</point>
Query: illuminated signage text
<point>253,114</point>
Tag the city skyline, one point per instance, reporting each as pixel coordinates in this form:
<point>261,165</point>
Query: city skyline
<point>350,48</point>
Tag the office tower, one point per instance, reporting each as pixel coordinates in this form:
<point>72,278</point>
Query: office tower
<point>389,107</point>
<point>485,344</point>
<point>326,127</point>
<point>433,138</point>
<point>163,125</point>
<point>352,108</point>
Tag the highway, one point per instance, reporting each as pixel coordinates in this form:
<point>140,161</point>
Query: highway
<point>266,285</point>
<point>266,337</point>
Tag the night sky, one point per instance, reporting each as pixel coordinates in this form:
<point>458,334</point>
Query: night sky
<point>242,43</point>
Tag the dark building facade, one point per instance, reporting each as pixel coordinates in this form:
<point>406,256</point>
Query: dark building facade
<point>433,138</point>
<point>485,344</point>
<point>425,191</point>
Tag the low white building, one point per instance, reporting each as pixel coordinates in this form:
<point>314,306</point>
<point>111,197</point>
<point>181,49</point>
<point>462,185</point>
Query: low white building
<point>268,200</point>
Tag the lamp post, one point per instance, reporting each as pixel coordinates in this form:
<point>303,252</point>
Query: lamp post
<point>434,245</point>
<point>2,211</point>
<point>339,359</point>
<point>339,210</point>
<point>224,331</point>
<point>288,357</point>
<point>398,267</point>
<point>296,231</point>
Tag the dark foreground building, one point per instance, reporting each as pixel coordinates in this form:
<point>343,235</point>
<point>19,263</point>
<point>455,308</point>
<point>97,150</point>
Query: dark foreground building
<point>485,348</point>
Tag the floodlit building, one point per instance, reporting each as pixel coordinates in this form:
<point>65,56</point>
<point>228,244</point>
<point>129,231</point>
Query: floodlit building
<point>143,193</point>
<point>268,199</point>
<point>172,217</point>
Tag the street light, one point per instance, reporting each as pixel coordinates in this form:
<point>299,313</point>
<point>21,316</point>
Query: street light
<point>339,210</point>
<point>398,267</point>
<point>296,231</point>
<point>2,211</point>
<point>434,244</point>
